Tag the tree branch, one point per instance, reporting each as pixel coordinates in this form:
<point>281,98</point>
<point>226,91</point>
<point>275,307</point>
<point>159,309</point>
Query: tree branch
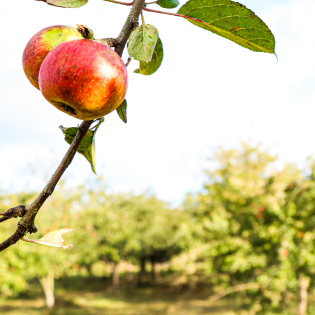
<point>131,21</point>
<point>236,288</point>
<point>4,218</point>
<point>15,212</point>
<point>26,224</point>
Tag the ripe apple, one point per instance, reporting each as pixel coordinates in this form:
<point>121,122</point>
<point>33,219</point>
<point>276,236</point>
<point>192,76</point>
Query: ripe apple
<point>41,44</point>
<point>83,78</point>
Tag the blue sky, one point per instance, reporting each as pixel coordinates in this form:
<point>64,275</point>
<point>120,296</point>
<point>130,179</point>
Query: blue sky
<point>208,92</point>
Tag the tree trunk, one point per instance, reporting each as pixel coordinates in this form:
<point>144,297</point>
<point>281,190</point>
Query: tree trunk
<point>304,284</point>
<point>115,278</point>
<point>142,271</point>
<point>154,272</point>
<point>129,272</point>
<point>48,286</point>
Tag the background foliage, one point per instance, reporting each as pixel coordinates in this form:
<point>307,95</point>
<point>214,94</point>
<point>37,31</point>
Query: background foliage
<point>252,223</point>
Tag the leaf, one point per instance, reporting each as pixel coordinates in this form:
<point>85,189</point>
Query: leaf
<point>66,3</point>
<point>53,238</point>
<point>148,68</point>
<point>87,146</point>
<point>142,42</point>
<point>168,4</point>
<point>231,20</point>
<point>122,111</point>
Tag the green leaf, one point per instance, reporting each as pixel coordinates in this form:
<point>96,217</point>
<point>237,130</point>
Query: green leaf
<point>231,20</point>
<point>66,3</point>
<point>168,4</point>
<point>142,42</point>
<point>148,68</point>
<point>122,111</point>
<point>87,146</point>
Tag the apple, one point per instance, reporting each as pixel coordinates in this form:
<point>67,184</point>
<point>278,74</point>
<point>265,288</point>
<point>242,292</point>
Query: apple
<point>83,78</point>
<point>41,44</point>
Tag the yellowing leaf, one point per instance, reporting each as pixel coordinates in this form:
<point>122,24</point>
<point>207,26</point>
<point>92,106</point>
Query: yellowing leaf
<point>53,238</point>
<point>148,68</point>
<point>142,42</point>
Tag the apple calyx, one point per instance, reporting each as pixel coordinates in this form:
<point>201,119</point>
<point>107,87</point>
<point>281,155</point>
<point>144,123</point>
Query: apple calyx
<point>85,31</point>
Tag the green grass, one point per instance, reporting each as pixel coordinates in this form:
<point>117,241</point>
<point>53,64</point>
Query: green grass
<point>83,296</point>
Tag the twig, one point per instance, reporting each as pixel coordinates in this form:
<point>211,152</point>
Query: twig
<point>15,212</point>
<point>26,224</point>
<point>111,42</point>
<point>4,218</point>
<point>120,2</point>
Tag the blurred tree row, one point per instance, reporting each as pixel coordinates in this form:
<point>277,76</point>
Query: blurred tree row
<point>249,232</point>
<point>107,228</point>
<point>260,223</point>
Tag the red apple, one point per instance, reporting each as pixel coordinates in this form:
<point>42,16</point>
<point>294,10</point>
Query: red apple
<point>41,44</point>
<point>83,78</point>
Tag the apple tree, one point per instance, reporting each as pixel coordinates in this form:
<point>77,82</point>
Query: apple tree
<point>259,223</point>
<point>86,78</point>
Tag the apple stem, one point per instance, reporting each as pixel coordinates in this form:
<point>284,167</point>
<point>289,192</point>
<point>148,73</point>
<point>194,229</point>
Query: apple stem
<point>120,2</point>
<point>174,14</point>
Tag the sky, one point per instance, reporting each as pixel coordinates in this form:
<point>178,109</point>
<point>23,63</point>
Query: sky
<point>208,92</point>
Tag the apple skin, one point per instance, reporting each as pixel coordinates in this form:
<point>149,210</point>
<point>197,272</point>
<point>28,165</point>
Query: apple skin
<point>83,78</point>
<point>41,44</point>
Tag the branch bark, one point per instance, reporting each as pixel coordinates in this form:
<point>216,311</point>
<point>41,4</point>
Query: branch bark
<point>26,224</point>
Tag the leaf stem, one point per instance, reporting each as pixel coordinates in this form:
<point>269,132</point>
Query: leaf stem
<point>100,121</point>
<point>142,19</point>
<point>174,14</point>
<point>45,243</point>
<point>120,2</point>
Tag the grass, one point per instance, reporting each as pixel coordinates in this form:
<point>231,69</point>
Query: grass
<point>83,296</point>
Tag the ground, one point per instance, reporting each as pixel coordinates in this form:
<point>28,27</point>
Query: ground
<point>83,296</point>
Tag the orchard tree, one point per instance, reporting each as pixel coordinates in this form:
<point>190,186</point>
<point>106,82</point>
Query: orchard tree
<point>259,223</point>
<point>137,228</point>
<point>86,78</point>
